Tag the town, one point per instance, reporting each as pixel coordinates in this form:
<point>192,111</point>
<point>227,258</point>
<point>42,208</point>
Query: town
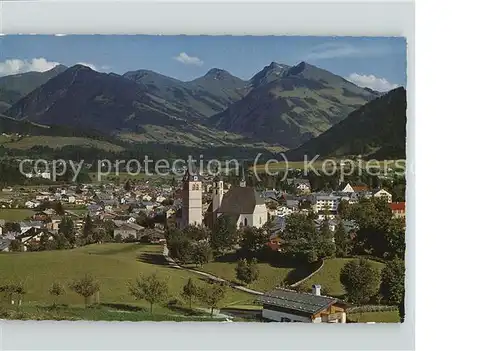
<point>291,252</point>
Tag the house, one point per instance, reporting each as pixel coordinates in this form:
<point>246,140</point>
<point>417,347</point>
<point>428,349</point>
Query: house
<point>4,245</point>
<point>280,305</point>
<point>302,185</point>
<point>347,189</point>
<point>383,194</point>
<point>321,202</point>
<point>126,230</point>
<point>398,209</point>
<point>32,204</point>
<point>25,226</point>
<point>282,211</point>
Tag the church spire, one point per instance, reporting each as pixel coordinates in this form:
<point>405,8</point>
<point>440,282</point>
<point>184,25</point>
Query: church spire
<point>243,183</point>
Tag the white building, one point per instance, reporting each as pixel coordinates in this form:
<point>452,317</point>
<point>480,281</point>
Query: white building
<point>383,194</point>
<point>242,203</point>
<point>192,206</point>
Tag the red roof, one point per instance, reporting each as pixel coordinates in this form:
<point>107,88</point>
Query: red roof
<point>397,206</point>
<point>358,188</point>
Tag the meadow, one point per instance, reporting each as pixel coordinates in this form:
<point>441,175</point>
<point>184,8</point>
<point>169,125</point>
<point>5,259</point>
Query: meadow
<point>115,266</point>
<point>14,214</point>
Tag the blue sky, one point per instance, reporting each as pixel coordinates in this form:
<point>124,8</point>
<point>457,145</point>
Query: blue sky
<point>379,63</point>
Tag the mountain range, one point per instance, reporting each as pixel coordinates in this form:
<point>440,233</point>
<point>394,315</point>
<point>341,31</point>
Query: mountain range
<point>376,130</point>
<point>281,107</point>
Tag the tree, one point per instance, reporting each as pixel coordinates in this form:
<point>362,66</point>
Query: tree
<point>343,209</point>
<point>127,187</point>
<point>56,290</point>
<point>118,238</point>
<point>87,230</point>
<point>224,236</point>
<point>58,207</point>
<point>67,229</point>
<point>181,249</point>
<point>401,310</point>
<point>254,240</point>
<point>247,272</point>
<point>15,245</point>
<point>196,233</point>
<point>342,241</point>
<point>392,286</point>
<point>360,280</point>
<point>12,290</point>
<point>212,295</point>
<point>12,227</point>
<point>86,287</point>
<point>149,288</point>
<point>395,238</point>
<point>202,253</point>
<point>189,291</point>
<point>47,242</point>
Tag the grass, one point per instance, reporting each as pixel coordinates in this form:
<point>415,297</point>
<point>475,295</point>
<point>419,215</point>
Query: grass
<point>329,276</point>
<point>378,317</point>
<point>56,142</point>
<point>12,214</point>
<point>318,165</point>
<point>114,265</point>
<point>270,276</point>
<point>103,312</point>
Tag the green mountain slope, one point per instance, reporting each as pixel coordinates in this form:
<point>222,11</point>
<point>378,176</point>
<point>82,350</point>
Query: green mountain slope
<point>194,100</point>
<point>14,87</point>
<point>290,105</point>
<point>376,130</point>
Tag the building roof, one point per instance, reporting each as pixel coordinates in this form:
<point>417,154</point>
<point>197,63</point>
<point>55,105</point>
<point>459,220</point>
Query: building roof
<point>240,200</point>
<point>293,300</point>
<point>360,188</point>
<point>397,206</point>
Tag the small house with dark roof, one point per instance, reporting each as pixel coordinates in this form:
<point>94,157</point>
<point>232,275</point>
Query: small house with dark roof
<point>280,305</point>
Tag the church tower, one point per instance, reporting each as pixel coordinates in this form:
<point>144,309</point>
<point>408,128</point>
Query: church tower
<point>191,198</point>
<point>243,182</point>
<point>217,193</point>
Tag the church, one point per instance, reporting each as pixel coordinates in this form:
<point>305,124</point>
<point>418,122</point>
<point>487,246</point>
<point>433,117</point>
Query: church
<point>242,203</point>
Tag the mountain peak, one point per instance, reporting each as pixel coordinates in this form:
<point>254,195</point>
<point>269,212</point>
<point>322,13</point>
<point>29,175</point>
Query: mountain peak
<point>217,73</point>
<point>79,67</point>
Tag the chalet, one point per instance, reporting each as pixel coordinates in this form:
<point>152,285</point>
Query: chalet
<point>383,194</point>
<point>280,305</point>
<point>398,209</point>
<point>126,230</point>
<point>301,185</point>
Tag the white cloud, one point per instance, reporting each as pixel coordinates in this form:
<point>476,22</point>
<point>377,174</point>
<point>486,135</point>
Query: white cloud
<point>89,65</point>
<point>15,66</point>
<point>335,50</point>
<point>371,81</point>
<point>188,60</point>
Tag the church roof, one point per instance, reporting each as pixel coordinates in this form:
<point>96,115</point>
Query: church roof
<point>240,200</point>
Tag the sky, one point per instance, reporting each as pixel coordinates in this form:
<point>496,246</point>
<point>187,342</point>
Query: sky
<point>375,62</point>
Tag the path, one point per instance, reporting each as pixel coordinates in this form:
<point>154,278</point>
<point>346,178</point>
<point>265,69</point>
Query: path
<point>174,264</point>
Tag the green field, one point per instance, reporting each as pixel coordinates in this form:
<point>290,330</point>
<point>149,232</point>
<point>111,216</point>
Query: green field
<point>378,317</point>
<point>269,275</point>
<point>329,276</point>
<point>386,165</point>
<point>114,265</point>
<point>13,214</point>
<point>56,142</point>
